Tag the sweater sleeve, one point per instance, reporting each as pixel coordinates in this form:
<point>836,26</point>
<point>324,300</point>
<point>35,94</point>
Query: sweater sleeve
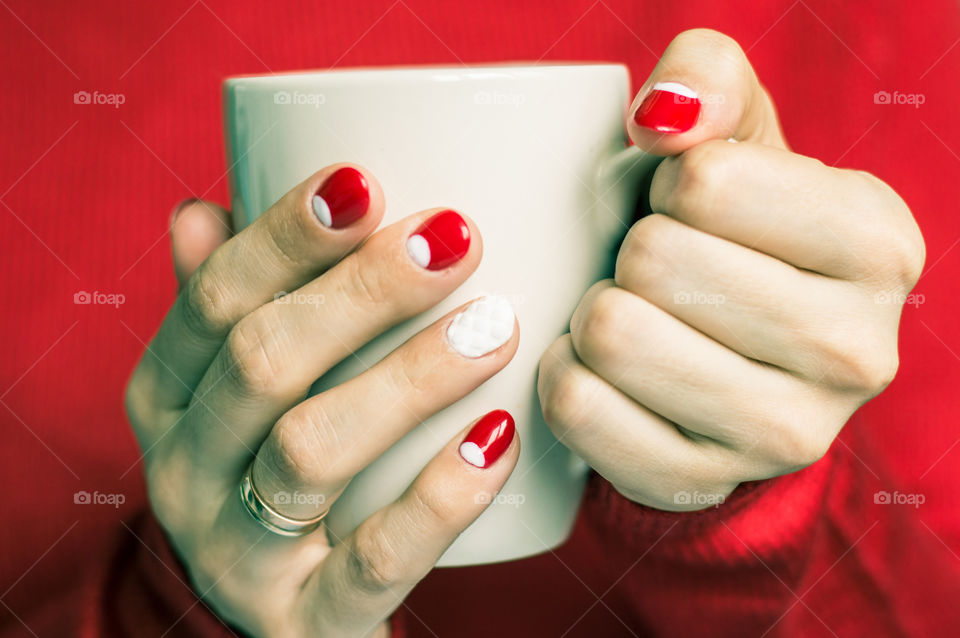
<point>138,588</point>
<point>769,559</point>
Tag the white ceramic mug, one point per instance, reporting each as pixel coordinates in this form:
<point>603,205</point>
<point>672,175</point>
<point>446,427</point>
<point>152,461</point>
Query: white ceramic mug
<point>536,156</point>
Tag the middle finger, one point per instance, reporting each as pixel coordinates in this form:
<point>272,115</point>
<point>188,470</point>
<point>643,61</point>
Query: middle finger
<point>273,355</point>
<point>752,303</point>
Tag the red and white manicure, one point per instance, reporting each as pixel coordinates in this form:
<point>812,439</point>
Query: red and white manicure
<point>440,241</point>
<point>482,327</point>
<point>488,439</point>
<point>342,199</point>
<point>670,107</point>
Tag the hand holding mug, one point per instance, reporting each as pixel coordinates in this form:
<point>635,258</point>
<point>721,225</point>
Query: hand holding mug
<point>749,316</point>
<point>553,208</point>
<point>218,402</point>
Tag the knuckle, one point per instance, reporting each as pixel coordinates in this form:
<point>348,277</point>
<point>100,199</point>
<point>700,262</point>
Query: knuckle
<point>401,374</point>
<point>565,397</point>
<point>432,508</point>
<point>643,258</point>
<point>857,358</point>
<point>867,369</point>
<point>302,447</point>
<point>374,565</point>
<point>284,234</point>
<point>137,399</point>
<point>704,174</point>
<point>794,441</point>
<point>910,255</point>
<point>907,251</point>
<point>551,362</point>
<point>599,334</point>
<point>366,282</point>
<point>251,358</point>
<point>901,251</point>
<point>206,304</point>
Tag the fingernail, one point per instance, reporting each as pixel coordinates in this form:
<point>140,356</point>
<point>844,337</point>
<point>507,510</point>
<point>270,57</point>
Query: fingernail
<point>670,107</point>
<point>440,241</point>
<point>482,327</point>
<point>488,439</point>
<point>342,199</point>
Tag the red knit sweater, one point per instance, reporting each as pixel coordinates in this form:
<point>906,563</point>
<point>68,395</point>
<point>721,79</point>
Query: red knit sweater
<point>86,191</point>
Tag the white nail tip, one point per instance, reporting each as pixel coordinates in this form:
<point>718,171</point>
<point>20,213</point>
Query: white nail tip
<point>675,87</point>
<point>419,250</point>
<point>472,454</point>
<point>482,327</point>
<point>322,211</point>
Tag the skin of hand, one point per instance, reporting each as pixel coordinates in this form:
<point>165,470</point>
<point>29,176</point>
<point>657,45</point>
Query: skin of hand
<point>224,384</point>
<point>749,316</point>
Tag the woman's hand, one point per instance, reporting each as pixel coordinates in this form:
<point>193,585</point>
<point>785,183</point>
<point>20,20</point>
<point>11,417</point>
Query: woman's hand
<point>749,317</point>
<point>223,384</point>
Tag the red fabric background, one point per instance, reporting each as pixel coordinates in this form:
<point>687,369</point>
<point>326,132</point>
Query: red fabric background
<point>86,191</point>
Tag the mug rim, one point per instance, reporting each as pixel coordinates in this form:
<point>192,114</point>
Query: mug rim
<point>471,72</point>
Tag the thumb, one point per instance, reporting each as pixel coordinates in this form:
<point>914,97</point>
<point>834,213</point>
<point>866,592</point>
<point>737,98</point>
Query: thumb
<point>197,228</point>
<point>703,88</point>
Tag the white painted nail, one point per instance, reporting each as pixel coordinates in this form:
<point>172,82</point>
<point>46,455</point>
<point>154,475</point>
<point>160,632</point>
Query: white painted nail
<point>482,327</point>
<point>472,454</point>
<point>675,87</point>
<point>419,250</point>
<point>322,211</point>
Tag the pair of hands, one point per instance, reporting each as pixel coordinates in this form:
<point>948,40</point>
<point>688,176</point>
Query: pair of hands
<point>741,330</point>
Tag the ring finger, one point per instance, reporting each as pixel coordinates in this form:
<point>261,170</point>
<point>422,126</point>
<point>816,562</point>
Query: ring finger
<point>317,446</point>
<point>677,371</point>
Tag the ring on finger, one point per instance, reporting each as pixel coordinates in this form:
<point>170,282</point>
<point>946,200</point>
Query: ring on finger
<point>270,518</point>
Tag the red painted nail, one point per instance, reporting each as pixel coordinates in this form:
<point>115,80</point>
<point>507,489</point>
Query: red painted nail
<point>669,108</point>
<point>440,241</point>
<point>342,199</point>
<point>488,439</point>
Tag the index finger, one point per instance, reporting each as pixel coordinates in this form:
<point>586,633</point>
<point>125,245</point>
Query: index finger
<point>308,230</point>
